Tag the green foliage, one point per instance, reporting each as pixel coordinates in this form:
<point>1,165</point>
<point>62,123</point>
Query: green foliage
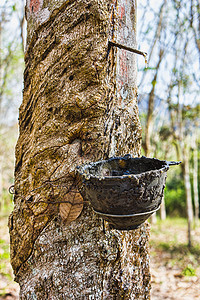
<point>189,112</point>
<point>8,137</point>
<point>6,205</point>
<point>175,202</point>
<point>4,257</point>
<point>175,197</point>
<point>6,274</point>
<point>189,271</point>
<point>165,133</point>
<point>2,267</point>
<point>165,246</point>
<point>153,82</point>
<point>14,7</point>
<point>12,69</point>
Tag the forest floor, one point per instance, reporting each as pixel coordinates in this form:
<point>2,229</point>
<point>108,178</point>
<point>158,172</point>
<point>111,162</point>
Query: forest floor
<point>175,270</point>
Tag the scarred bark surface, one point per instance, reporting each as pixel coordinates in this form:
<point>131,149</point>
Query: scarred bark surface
<point>79,105</point>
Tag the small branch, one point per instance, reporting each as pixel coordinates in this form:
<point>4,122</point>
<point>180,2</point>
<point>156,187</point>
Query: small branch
<point>128,48</point>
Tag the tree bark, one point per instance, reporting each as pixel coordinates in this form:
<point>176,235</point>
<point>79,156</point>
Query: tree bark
<point>163,210</point>
<point>186,175</point>
<point>195,181</point>
<point>79,105</point>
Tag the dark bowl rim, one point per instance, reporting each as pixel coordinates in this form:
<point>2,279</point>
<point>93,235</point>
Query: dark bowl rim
<point>126,157</point>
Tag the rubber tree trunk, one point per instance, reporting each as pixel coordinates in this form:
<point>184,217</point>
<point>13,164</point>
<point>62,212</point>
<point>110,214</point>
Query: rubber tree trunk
<point>186,174</point>
<point>79,105</point>
<point>195,182</point>
<point>150,121</point>
<point>163,210</point>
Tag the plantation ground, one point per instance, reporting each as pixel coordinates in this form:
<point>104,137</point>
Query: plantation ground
<point>175,270</point>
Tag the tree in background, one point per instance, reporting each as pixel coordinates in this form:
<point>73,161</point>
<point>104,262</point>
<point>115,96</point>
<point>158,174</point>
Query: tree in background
<point>194,147</point>
<point>11,70</point>
<point>170,81</point>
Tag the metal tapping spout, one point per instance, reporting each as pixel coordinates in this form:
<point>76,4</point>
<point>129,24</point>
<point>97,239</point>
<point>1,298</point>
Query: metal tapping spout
<point>173,163</point>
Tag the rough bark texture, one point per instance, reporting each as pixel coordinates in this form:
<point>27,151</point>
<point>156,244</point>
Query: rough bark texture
<point>79,105</point>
